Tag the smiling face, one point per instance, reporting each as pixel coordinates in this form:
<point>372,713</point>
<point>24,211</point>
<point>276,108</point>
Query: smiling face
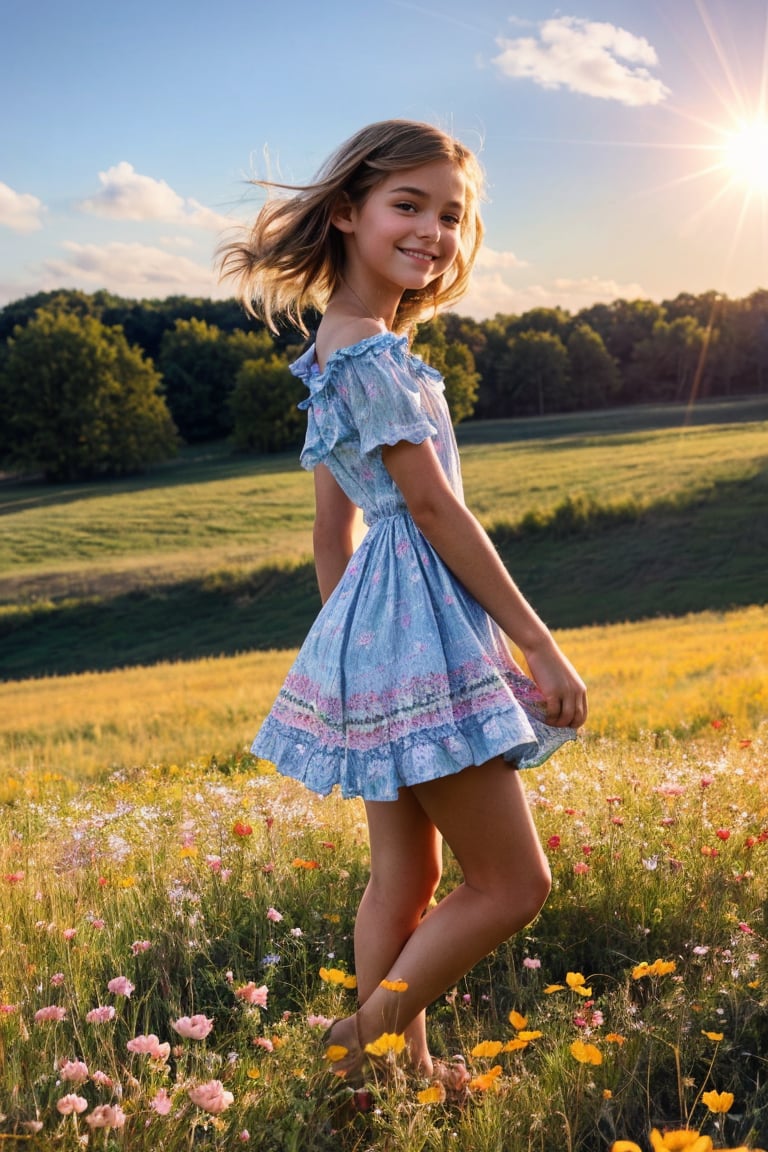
<point>406,232</point>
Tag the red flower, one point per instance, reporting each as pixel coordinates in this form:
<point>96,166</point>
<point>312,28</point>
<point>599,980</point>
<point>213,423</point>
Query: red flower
<point>553,842</point>
<point>717,723</point>
<point>241,829</point>
<point>723,834</point>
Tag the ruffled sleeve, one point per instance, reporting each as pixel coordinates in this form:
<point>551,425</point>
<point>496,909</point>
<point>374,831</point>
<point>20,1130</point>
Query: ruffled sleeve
<point>369,394</point>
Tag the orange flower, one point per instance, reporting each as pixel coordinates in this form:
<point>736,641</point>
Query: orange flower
<point>333,976</point>
<point>527,1036</point>
<point>615,1038</point>
<point>586,1053</point>
<point>308,864</point>
<point>388,1042</point>
<point>435,1094</point>
<point>550,988</point>
<point>716,1036</point>
<point>576,983</point>
<point>658,968</point>
<point>487,1080</point>
<point>718,1101</point>
<point>517,1021</point>
<point>395,985</point>
<point>487,1049</point>
<point>515,1045</point>
<point>680,1140</point>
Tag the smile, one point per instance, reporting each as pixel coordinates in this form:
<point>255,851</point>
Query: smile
<point>416,255</point>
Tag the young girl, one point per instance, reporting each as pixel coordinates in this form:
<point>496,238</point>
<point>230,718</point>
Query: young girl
<point>404,692</point>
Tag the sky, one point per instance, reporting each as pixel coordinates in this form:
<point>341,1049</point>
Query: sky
<point>625,144</point>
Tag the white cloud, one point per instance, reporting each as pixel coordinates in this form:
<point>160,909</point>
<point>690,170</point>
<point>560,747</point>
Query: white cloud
<point>490,258</point>
<point>20,211</point>
<point>133,270</point>
<point>595,59</point>
<point>490,293</point>
<point>127,195</point>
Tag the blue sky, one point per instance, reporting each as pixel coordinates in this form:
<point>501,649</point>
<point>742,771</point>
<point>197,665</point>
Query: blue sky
<point>610,132</point>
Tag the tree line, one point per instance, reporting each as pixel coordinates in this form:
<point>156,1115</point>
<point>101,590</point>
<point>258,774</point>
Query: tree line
<point>97,385</point>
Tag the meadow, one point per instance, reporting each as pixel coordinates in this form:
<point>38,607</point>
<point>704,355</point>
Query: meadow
<point>177,919</point>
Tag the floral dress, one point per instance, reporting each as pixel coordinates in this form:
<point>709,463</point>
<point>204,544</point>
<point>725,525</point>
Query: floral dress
<point>403,677</point>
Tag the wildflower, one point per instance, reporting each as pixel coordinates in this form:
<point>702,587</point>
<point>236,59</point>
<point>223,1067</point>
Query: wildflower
<point>487,1049</point>
<point>106,1116</point>
<point>746,928</point>
<point>527,1036</point>
<point>531,962</point>
<point>651,863</point>
<point>307,864</point>
<point>625,1146</point>
<point>487,1080</point>
<point>435,1094</point>
<point>517,1021</point>
<point>57,979</point>
<point>161,1102</point>
<point>296,932</point>
<point>242,830</point>
<point>100,1015</point>
<point>395,985</point>
<point>554,842</point>
<point>270,959</point>
<point>250,994</point>
<point>274,915</point>
<point>263,1042</point>
<point>680,1140</point>
<point>244,1136</point>
<point>517,1044</point>
<point>102,1079</point>
<point>333,975</point>
<point>586,1053</point>
<point>74,1070</point>
<point>580,868</point>
<point>715,1036</point>
<point>69,933</point>
<point>120,986</point>
<point>70,1103</point>
<point>723,834</point>
<point>211,1096</point>
<point>550,988</point>
<point>658,968</point>
<point>195,1027</point>
<point>388,1042</point>
<point>51,1013</point>
<point>13,877</point>
<point>149,1046</point>
<point>575,982</point>
<point>718,1101</point>
<point>700,949</point>
<point>140,946</point>
<point>615,1038</point>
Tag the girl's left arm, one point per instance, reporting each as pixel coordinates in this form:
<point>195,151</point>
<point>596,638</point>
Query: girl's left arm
<point>333,533</point>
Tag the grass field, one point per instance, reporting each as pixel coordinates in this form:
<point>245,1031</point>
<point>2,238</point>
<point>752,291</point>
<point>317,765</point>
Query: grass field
<point>177,918</point>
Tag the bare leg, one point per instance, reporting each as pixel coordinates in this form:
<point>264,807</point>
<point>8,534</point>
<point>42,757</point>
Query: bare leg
<point>484,817</point>
<point>406,863</point>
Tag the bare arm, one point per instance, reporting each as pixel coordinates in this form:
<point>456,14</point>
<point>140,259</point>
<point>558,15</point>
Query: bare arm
<point>463,544</point>
<point>332,538</point>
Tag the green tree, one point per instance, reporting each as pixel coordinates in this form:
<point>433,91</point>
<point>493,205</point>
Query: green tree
<point>81,402</point>
<point>665,365</point>
<point>456,364</point>
<point>593,372</point>
<point>534,373</point>
<point>199,364</point>
<point>264,406</point>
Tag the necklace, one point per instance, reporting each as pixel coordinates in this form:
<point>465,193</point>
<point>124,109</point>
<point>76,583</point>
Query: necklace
<point>368,312</point>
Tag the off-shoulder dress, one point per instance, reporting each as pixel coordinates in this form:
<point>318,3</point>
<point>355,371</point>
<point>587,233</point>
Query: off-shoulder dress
<point>403,677</point>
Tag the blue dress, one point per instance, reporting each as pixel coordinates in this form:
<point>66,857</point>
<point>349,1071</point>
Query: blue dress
<point>403,677</point>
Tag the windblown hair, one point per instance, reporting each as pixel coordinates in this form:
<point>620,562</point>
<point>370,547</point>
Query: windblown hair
<point>292,258</point>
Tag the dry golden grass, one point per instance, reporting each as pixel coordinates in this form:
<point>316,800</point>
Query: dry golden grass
<point>676,675</point>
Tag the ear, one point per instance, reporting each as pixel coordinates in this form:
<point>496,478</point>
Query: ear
<point>343,215</point>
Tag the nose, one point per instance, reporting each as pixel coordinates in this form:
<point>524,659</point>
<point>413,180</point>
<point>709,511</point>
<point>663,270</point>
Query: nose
<point>430,228</point>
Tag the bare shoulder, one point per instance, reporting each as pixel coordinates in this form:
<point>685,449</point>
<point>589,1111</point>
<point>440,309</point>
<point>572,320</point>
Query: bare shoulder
<point>337,332</point>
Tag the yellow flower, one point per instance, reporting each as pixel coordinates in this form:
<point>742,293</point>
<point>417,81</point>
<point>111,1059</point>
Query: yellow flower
<point>550,988</point>
<point>517,1021</point>
<point>625,1146</point>
<point>395,985</point>
<point>529,1036</point>
<point>576,983</point>
<point>517,1044</point>
<point>253,1073</point>
<point>435,1094</point>
<point>658,968</point>
<point>615,1038</point>
<point>487,1049</point>
<point>350,981</point>
<point>586,1053</point>
<point>386,1043</point>
<point>716,1036</point>
<point>336,1052</point>
<point>487,1080</point>
<point>718,1101</point>
<point>333,976</point>
<point>680,1140</point>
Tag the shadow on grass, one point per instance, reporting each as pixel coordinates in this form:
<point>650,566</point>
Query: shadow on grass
<point>587,565</point>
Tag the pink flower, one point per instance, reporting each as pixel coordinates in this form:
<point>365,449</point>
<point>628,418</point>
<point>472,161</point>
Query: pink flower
<point>102,1079</point>
<point>580,868</point>
<point>161,1103</point>
<point>140,946</point>
<point>69,933</point>
<point>97,922</point>
<point>70,1103</point>
<point>101,1015</point>
<point>263,1042</point>
<point>193,1027</point>
<point>52,1012</point>
<point>746,928</point>
<point>252,995</point>
<point>120,986</point>
<point>214,863</point>
<point>8,1009</point>
<point>211,1096</point>
<point>106,1116</point>
<point>531,962</point>
<point>74,1070</point>
<point>274,915</point>
<point>319,1021</point>
<point>57,979</point>
<point>13,877</point>
<point>244,1136</point>
<point>149,1046</point>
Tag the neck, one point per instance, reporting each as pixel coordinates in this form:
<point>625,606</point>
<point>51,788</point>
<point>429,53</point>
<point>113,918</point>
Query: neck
<point>370,307</point>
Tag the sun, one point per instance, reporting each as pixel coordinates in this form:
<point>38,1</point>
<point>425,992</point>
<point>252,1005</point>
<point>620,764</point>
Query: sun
<point>745,155</point>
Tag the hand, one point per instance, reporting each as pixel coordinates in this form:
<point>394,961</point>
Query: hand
<point>564,692</point>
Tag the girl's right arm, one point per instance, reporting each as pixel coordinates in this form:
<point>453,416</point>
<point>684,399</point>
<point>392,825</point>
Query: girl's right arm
<point>333,533</point>
<point>462,543</point>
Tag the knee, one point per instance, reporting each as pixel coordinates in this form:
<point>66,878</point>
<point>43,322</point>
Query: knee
<point>407,898</point>
<point>522,900</point>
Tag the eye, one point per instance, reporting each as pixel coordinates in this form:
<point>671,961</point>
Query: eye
<point>405,206</point>
<point>451,220</point>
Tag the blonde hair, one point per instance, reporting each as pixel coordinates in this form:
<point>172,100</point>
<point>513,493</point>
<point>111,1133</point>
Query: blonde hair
<point>292,257</point>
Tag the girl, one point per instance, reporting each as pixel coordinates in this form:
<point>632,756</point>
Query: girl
<point>404,692</point>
